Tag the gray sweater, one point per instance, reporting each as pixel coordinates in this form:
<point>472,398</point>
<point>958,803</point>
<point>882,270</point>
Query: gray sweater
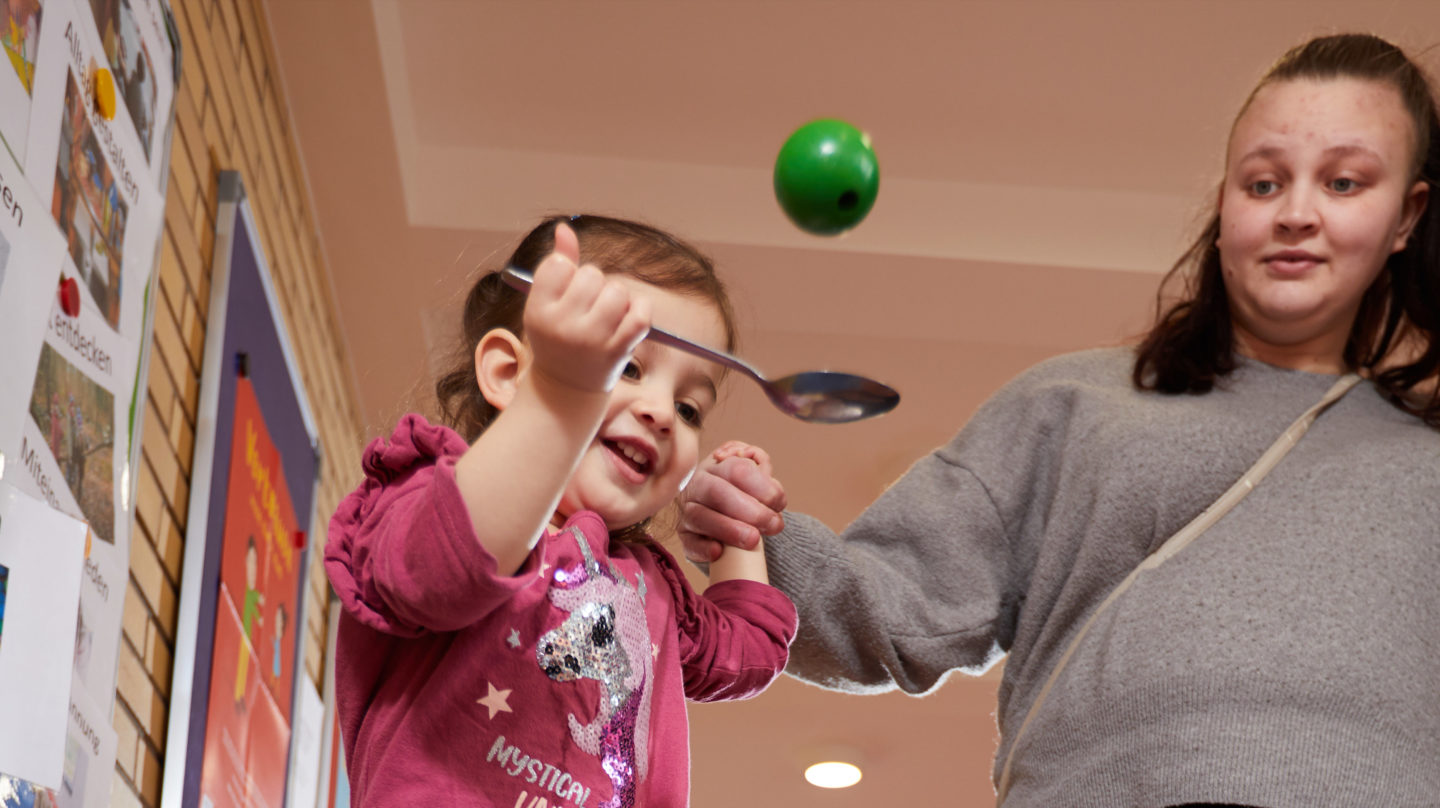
<point>1288,658</point>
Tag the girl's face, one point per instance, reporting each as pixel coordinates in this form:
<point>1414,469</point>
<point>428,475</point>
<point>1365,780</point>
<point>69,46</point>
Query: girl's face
<point>649,443</point>
<point>1318,193</point>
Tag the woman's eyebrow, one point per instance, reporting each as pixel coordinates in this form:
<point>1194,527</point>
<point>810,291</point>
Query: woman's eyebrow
<point>1269,152</point>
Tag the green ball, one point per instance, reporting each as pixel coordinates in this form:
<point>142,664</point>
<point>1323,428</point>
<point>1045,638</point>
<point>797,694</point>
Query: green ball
<point>826,177</point>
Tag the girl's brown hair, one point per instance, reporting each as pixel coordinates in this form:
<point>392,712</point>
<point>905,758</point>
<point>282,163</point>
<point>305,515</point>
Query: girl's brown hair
<point>616,246</point>
<point>1192,345</point>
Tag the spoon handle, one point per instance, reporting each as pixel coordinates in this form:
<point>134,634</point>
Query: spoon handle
<point>519,279</point>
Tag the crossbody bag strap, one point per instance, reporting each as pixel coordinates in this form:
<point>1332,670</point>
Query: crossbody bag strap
<point>1179,541</point>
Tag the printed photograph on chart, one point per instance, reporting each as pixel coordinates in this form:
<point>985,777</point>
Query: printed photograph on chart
<point>72,786</point>
<point>76,416</point>
<point>4,584</point>
<point>20,42</point>
<point>21,37</point>
<point>89,754</point>
<point>84,638</point>
<point>130,63</point>
<point>87,206</point>
<point>17,793</point>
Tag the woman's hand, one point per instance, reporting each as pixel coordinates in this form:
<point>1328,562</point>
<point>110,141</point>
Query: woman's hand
<point>580,325</point>
<point>733,499</point>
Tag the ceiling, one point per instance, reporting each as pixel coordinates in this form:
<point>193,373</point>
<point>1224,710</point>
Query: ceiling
<point>1042,164</point>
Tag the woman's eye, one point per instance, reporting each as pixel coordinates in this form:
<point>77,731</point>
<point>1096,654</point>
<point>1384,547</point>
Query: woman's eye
<point>689,413</point>
<point>1263,187</point>
<point>1343,185</point>
<point>631,371</point>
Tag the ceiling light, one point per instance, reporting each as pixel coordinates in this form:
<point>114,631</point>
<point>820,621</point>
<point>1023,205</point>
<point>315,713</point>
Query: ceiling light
<point>833,774</point>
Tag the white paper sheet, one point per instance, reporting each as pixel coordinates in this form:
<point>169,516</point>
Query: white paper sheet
<point>307,732</point>
<point>74,444</point>
<point>42,551</point>
<point>98,622</point>
<point>89,755</point>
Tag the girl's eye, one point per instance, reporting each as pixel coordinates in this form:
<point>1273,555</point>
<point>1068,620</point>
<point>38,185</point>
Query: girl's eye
<point>631,371</point>
<point>689,413</point>
<point>1263,187</point>
<point>1343,185</point>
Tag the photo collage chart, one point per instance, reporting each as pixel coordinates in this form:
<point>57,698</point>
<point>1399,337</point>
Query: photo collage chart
<point>41,549</point>
<point>80,226</point>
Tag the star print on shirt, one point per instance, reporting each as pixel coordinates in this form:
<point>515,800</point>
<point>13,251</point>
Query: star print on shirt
<point>495,701</point>
<point>654,651</point>
<point>544,565</point>
<point>514,639</point>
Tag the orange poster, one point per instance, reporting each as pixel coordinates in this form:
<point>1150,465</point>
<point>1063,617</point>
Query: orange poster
<point>247,739</point>
<point>259,562</point>
<point>247,728</point>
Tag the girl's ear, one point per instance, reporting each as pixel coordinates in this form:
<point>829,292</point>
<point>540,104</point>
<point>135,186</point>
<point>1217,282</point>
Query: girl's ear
<point>500,357</point>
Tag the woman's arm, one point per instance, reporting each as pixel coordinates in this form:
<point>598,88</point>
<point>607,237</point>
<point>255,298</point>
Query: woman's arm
<point>931,576</point>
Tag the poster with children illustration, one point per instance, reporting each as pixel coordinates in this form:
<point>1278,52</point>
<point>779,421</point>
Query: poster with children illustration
<point>245,545</point>
<point>247,739</point>
<point>259,563</point>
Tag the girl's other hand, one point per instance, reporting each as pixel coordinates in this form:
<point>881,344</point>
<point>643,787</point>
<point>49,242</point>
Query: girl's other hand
<point>580,325</point>
<point>733,499</point>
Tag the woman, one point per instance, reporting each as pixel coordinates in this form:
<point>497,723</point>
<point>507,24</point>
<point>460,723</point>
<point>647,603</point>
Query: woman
<point>1287,656</point>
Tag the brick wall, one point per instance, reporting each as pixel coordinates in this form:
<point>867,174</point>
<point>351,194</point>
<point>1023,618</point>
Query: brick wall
<point>230,114</point>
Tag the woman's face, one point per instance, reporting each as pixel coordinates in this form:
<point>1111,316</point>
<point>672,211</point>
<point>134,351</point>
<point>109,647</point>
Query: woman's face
<point>1318,193</point>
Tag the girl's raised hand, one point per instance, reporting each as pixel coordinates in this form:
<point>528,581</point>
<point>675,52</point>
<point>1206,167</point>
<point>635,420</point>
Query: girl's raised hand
<point>581,325</point>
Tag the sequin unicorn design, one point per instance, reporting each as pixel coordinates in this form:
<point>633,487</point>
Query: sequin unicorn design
<point>605,638</point>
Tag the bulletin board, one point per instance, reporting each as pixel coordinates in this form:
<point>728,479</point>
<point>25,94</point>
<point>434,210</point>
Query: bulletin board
<point>87,90</point>
<point>252,504</point>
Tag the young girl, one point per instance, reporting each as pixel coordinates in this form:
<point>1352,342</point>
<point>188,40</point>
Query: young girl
<point>510,635</point>
<point>1286,657</point>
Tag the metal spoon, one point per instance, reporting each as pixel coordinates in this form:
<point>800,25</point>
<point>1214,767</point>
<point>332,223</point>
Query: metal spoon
<point>818,396</point>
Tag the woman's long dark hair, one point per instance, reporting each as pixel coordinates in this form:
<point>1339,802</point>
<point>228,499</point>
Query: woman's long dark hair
<point>1192,344</point>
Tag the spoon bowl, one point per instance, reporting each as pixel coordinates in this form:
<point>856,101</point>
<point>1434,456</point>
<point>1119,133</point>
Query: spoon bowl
<point>817,396</point>
<point>830,397</point>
